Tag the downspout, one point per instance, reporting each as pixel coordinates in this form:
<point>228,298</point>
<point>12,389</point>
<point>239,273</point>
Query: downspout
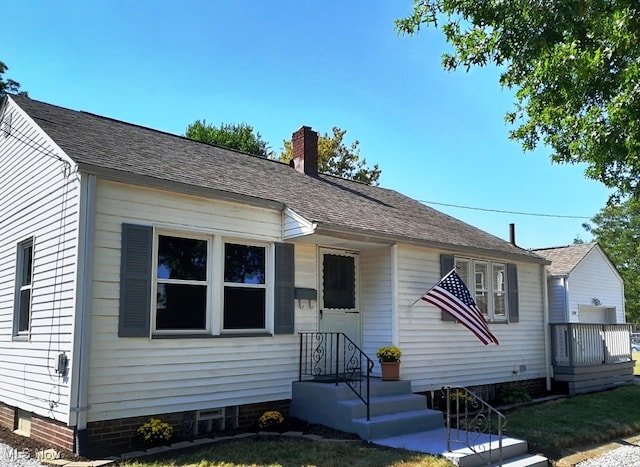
<point>395,335</point>
<point>85,282</point>
<point>547,330</point>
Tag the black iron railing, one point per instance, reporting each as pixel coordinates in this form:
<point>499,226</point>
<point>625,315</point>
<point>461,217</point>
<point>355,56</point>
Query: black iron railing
<point>473,423</point>
<point>332,357</point>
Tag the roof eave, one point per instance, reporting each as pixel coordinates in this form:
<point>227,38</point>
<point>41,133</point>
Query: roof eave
<point>365,235</point>
<point>184,188</point>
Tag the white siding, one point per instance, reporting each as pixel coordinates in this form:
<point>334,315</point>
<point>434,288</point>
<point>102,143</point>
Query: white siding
<point>294,225</point>
<point>39,191</point>
<point>594,277</point>
<point>558,301</point>
<point>306,276</point>
<point>137,376</point>
<point>438,353</point>
<point>376,293</point>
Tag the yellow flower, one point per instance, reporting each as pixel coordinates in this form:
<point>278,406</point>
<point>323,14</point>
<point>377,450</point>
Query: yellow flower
<point>270,419</point>
<point>389,354</point>
<point>155,431</point>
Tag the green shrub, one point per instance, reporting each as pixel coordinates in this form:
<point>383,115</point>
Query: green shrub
<point>513,395</point>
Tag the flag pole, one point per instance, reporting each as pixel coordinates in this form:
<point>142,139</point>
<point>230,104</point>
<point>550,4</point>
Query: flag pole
<point>443,278</point>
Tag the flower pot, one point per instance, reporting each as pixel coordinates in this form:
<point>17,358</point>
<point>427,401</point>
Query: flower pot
<point>390,371</point>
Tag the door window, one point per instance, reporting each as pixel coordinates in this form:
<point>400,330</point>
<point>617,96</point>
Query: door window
<point>339,274</point>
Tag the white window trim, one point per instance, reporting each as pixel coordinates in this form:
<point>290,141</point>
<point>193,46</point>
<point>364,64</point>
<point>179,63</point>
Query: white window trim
<point>19,287</point>
<point>503,291</point>
<point>488,286</point>
<point>154,287</point>
<point>269,260</point>
<point>215,283</point>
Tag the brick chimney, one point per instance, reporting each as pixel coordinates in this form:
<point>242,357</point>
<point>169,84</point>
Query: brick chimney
<point>304,143</point>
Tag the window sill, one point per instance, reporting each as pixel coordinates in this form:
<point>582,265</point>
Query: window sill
<point>210,336</point>
<point>500,321</point>
<point>20,338</point>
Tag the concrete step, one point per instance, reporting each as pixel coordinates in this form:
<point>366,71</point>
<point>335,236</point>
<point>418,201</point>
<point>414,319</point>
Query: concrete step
<point>529,460</point>
<point>394,424</point>
<point>487,451</point>
<point>401,419</point>
<point>514,451</point>
<point>381,405</point>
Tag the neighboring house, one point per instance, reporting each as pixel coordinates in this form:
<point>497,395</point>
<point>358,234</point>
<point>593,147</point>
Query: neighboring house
<point>590,340</point>
<point>583,285</point>
<point>146,274</point>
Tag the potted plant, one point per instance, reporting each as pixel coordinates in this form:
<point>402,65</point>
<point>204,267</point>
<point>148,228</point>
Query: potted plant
<point>389,358</point>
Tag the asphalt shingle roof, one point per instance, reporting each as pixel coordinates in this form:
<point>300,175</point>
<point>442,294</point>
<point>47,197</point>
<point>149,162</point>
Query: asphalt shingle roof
<point>564,259</point>
<point>98,143</point>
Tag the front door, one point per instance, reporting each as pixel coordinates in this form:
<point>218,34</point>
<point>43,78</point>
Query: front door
<point>339,302</point>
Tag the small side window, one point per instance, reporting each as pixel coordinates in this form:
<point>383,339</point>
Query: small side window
<point>24,285</point>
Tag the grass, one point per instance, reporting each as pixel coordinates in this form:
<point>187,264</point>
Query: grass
<point>554,427</point>
<point>296,453</point>
<point>551,428</point>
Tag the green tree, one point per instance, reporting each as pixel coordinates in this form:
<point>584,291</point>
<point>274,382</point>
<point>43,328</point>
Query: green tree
<point>239,136</point>
<point>616,228</point>
<point>573,66</point>
<point>8,85</point>
<point>336,158</point>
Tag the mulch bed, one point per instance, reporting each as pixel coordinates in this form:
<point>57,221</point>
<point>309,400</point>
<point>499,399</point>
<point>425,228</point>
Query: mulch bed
<point>24,444</point>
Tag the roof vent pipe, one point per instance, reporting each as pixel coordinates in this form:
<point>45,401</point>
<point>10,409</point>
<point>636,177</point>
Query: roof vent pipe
<point>512,234</point>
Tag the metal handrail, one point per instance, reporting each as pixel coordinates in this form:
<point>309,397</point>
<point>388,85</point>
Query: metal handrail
<point>333,357</point>
<point>468,418</point>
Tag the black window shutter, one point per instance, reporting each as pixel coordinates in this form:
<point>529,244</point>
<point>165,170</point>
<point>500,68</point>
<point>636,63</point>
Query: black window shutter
<point>512,290</point>
<point>447,263</point>
<point>284,289</point>
<point>135,281</point>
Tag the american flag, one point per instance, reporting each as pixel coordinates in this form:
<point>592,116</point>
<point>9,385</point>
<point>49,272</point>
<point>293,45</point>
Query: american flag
<point>453,297</point>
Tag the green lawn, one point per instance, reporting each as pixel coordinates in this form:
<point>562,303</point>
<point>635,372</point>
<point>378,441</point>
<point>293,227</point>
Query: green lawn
<point>297,453</point>
<point>551,428</point>
<point>554,427</point>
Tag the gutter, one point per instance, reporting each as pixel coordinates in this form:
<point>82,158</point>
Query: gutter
<point>349,233</point>
<point>547,328</point>
<point>178,187</point>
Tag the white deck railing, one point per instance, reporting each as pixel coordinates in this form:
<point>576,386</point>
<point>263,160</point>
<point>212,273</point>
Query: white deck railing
<point>576,344</point>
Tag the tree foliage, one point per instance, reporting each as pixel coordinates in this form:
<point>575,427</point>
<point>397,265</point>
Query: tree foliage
<point>616,228</point>
<point>239,136</point>
<point>574,68</point>
<point>336,158</point>
<point>8,85</point>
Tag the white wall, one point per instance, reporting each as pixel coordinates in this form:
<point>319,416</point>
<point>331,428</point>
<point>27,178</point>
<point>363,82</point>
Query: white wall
<point>376,292</point>
<point>438,353</point>
<point>593,278</point>
<point>137,376</point>
<point>306,276</point>
<point>558,307</point>
<point>39,191</point>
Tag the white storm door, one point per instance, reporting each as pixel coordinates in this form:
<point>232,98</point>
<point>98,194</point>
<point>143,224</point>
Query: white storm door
<point>339,295</point>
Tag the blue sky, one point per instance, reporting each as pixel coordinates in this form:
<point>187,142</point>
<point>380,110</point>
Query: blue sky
<point>437,136</point>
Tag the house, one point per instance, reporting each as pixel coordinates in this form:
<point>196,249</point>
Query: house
<point>145,274</point>
<point>583,285</point>
<point>590,339</point>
